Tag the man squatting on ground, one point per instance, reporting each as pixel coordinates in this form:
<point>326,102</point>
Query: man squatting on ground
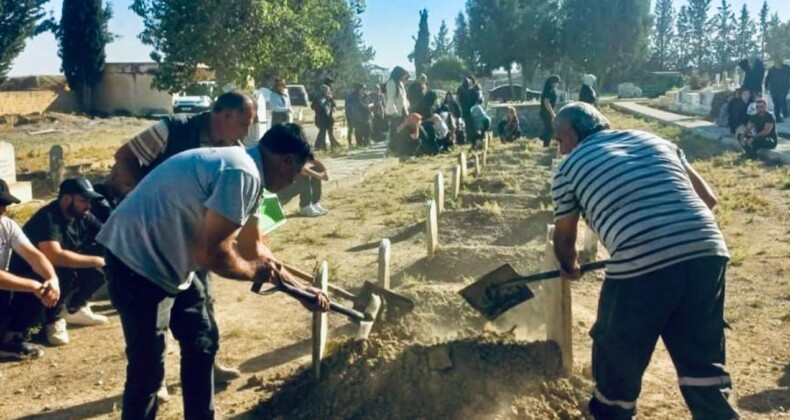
<point>14,287</point>
<point>227,123</point>
<point>65,232</point>
<point>668,258</point>
<point>160,236</point>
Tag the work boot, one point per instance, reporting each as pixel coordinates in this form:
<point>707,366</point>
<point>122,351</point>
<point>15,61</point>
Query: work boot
<point>223,375</point>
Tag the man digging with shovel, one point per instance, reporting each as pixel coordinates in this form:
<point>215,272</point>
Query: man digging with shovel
<point>190,213</point>
<point>666,274</point>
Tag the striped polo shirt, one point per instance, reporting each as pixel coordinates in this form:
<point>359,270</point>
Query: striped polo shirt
<point>633,190</point>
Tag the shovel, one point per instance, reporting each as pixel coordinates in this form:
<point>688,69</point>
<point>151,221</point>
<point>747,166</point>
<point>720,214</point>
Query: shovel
<point>399,303</point>
<point>496,292</point>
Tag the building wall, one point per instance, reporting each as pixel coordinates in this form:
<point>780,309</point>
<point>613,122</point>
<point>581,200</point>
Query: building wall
<point>36,102</point>
<point>126,88</point>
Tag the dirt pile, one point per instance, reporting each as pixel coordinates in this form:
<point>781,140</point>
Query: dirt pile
<point>405,371</point>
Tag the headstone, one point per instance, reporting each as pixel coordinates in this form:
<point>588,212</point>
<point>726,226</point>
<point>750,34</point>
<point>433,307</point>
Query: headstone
<point>628,90</point>
<point>462,164</point>
<point>684,95</point>
<point>320,327</point>
<point>431,228</point>
<point>694,98</point>
<point>559,322</point>
<point>438,191</point>
<point>456,182</point>
<point>673,96</point>
<point>384,263</point>
<point>477,165</point>
<point>21,190</point>
<point>706,97</point>
<point>591,243</point>
<point>57,167</point>
<point>718,79</point>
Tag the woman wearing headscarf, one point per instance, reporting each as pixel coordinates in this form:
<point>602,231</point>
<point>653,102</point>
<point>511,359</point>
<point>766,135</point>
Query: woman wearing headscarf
<point>469,95</point>
<point>548,105</point>
<point>397,105</point>
<point>587,92</point>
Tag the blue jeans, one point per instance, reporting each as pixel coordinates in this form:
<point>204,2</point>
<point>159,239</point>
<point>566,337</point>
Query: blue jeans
<point>146,312</point>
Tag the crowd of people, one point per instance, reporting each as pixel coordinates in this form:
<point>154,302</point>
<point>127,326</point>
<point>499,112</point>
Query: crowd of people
<point>746,113</point>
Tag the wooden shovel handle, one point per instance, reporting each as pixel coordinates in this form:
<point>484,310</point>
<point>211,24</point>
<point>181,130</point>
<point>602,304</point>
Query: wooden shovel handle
<point>546,275</point>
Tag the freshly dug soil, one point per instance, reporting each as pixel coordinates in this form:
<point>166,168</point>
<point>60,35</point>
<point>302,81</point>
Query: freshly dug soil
<point>506,201</point>
<point>468,378</point>
<point>493,227</point>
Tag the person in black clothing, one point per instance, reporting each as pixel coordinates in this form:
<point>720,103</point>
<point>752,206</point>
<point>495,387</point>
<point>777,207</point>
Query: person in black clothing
<point>427,106</point>
<point>760,132</point>
<point>450,105</point>
<point>754,72</point>
<point>587,92</point>
<point>509,129</point>
<point>408,136</point>
<point>379,124</point>
<point>737,110</point>
<point>469,95</point>
<point>65,232</point>
<point>359,117</point>
<point>324,107</point>
<point>548,105</point>
<point>416,93</point>
<point>778,83</point>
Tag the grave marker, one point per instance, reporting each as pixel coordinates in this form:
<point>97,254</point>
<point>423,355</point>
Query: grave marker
<point>384,263</point>
<point>438,191</point>
<point>21,190</point>
<point>477,165</point>
<point>320,327</point>
<point>462,164</point>
<point>456,182</point>
<point>431,228</point>
<point>57,167</point>
<point>558,306</point>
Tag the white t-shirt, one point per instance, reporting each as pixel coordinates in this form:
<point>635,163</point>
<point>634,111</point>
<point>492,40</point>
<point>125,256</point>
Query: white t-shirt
<point>11,238</point>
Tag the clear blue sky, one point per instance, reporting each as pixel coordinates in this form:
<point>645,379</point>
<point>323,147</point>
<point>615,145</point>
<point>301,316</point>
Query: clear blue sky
<point>388,25</point>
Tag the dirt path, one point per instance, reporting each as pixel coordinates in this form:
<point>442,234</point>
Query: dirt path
<point>268,337</point>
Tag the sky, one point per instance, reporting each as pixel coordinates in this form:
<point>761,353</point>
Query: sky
<point>388,26</point>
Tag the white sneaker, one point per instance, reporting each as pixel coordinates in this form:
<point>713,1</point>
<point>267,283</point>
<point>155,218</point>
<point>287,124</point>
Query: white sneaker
<point>84,316</point>
<point>320,208</point>
<point>162,394</point>
<point>310,211</point>
<point>57,335</point>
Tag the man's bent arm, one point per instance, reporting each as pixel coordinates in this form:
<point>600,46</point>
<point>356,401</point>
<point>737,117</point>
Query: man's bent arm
<point>60,257</point>
<point>703,190</point>
<point>215,249</point>
<point>565,231</point>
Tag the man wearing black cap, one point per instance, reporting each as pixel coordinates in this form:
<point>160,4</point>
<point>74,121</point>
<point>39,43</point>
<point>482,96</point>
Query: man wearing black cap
<point>11,300</point>
<point>65,232</point>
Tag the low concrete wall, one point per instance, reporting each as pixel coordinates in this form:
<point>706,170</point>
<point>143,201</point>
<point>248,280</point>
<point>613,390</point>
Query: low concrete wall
<point>36,102</point>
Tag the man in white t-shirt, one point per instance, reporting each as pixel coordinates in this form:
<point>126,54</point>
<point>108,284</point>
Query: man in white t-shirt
<point>15,290</point>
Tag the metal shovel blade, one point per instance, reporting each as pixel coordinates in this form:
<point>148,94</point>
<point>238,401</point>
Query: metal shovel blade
<point>489,299</point>
<point>394,303</point>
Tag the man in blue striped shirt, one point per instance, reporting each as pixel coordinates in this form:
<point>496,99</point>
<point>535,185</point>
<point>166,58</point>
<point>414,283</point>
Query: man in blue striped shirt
<point>666,278</point>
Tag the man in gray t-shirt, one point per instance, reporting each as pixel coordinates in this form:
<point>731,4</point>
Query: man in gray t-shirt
<point>190,213</point>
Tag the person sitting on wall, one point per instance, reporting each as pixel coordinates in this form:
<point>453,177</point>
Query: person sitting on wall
<point>509,128</point>
<point>737,109</point>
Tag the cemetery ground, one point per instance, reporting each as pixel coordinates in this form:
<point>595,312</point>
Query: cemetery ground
<point>500,217</point>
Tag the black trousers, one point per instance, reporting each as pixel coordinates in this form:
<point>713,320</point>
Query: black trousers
<point>77,287</point>
<point>780,104</point>
<point>307,188</point>
<point>323,133</point>
<point>684,305</point>
<point>548,129</point>
<point>146,312</point>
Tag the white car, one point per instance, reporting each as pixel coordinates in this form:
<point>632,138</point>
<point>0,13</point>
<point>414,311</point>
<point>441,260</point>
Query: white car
<point>191,104</point>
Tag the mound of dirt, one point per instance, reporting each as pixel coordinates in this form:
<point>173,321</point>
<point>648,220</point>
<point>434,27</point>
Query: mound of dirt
<point>493,226</point>
<point>388,378</point>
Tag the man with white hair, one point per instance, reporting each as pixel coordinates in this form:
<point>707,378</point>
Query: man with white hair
<point>666,274</point>
<point>587,93</point>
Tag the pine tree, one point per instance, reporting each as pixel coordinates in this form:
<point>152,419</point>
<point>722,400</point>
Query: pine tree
<point>82,36</point>
<point>422,46</point>
<point>442,45</point>
<point>744,35</point>
<point>18,21</point>
<point>763,27</point>
<point>664,34</point>
<point>461,43</point>
<point>723,43</point>
<point>683,39</point>
<point>699,26</point>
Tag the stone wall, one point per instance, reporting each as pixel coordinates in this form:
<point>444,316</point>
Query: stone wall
<point>36,102</point>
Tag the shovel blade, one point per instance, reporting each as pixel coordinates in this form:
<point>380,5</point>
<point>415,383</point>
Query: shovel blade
<point>394,304</point>
<point>491,300</point>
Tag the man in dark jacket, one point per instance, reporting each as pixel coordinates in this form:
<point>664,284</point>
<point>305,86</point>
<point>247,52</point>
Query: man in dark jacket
<point>778,83</point>
<point>754,72</point>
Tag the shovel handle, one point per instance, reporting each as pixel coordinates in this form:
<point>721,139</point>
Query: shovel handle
<point>307,277</point>
<point>546,275</point>
<point>305,295</point>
